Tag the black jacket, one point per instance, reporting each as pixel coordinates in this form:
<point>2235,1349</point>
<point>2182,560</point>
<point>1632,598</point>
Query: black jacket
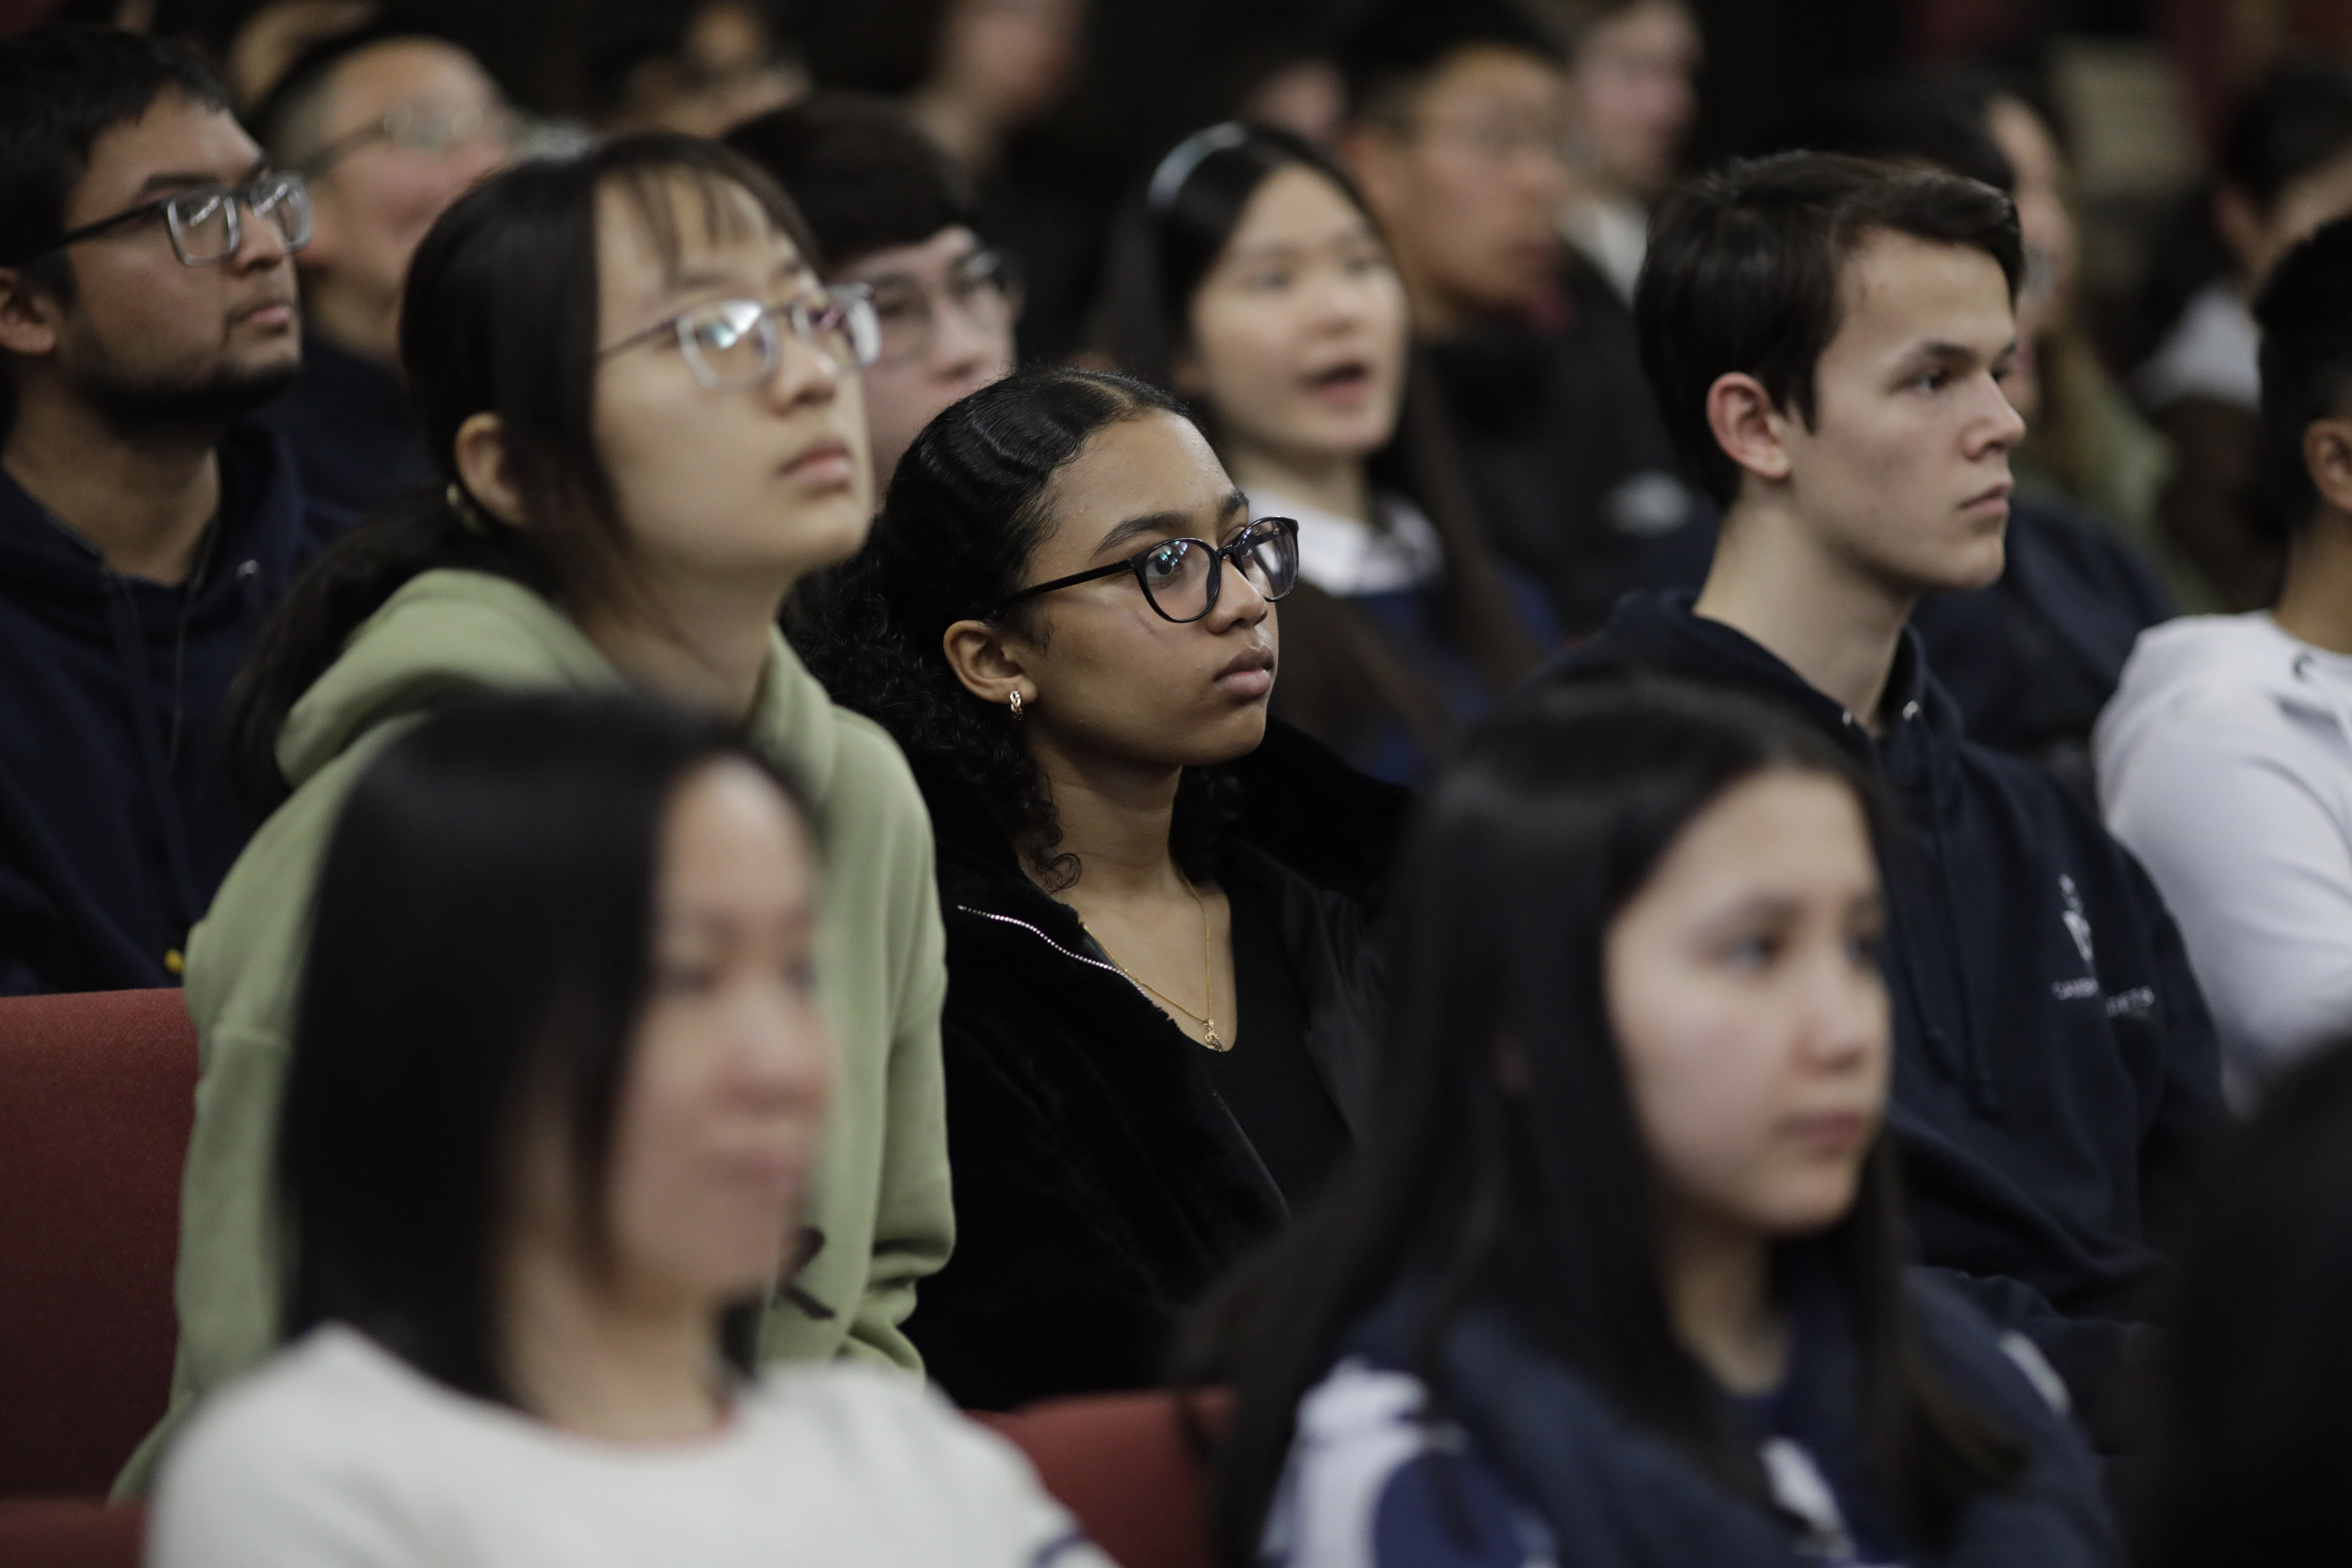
<point>354,441</point>
<point>2054,1064</point>
<point>1100,1182</point>
<point>116,822</point>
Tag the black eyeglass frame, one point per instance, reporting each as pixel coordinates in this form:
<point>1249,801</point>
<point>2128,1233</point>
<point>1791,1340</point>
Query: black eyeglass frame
<point>1219,557</point>
<point>289,182</point>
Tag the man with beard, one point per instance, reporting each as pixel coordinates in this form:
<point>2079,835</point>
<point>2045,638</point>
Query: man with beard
<point>147,304</point>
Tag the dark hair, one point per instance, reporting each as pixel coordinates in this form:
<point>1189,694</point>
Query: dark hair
<point>2257,1372</point>
<point>1341,676</point>
<point>1549,821</point>
<point>966,511</point>
<point>500,315</point>
<point>887,46</point>
<point>280,120</point>
<point>60,88</point>
<point>2296,119</point>
<point>479,945</point>
<point>1387,50</point>
<point>1746,272</point>
<point>2305,311</point>
<point>1908,119</point>
<point>863,175</point>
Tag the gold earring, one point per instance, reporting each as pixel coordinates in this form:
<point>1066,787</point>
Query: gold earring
<point>1016,706</point>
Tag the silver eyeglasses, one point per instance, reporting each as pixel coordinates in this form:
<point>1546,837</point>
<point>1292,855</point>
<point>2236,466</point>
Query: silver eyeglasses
<point>731,344</point>
<point>427,130</point>
<point>205,223</point>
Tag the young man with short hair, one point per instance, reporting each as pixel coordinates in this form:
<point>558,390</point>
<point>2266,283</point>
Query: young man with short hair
<point>147,303</point>
<point>2225,760</point>
<point>1455,125</point>
<point>1827,338</point>
<point>893,212</point>
<point>389,126</point>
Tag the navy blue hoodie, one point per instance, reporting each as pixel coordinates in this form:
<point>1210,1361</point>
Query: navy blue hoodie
<point>2054,1060</point>
<point>116,823</point>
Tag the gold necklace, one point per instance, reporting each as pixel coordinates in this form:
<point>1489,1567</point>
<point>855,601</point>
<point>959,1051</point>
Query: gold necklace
<point>1208,1021</point>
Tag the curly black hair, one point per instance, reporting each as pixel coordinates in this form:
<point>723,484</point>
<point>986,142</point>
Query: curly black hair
<point>964,513</point>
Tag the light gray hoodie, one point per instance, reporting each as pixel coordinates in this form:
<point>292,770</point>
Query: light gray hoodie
<point>2225,764</point>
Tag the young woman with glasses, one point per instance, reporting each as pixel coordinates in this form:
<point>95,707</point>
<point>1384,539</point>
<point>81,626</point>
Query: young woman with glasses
<point>1157,1007</point>
<point>564,981</point>
<point>645,411</point>
<point>1255,281</point>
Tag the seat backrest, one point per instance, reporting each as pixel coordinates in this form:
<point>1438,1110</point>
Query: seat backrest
<point>1124,1464</point>
<point>97,1095</point>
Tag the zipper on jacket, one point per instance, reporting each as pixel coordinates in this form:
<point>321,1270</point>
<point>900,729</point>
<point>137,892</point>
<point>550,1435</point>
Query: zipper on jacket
<point>1057,947</point>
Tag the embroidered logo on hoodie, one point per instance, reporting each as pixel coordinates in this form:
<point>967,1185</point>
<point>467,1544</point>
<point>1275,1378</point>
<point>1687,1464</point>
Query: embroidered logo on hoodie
<point>2078,926</point>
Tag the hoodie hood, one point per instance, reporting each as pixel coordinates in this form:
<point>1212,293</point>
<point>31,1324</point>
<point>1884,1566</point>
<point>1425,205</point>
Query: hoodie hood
<point>2231,662</point>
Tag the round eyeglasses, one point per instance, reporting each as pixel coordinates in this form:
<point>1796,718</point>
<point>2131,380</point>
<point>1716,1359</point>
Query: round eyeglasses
<point>1181,576</point>
<point>205,223</point>
<point>982,289</point>
<point>731,344</point>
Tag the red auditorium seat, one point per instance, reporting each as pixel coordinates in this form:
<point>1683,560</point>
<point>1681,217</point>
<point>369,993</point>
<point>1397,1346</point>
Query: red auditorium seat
<point>1124,1464</point>
<point>96,1094</point>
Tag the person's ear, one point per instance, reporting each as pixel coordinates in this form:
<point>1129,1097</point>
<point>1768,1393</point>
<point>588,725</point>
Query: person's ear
<point>990,664</point>
<point>487,470</point>
<point>2327,457</point>
<point>29,316</point>
<point>1746,425</point>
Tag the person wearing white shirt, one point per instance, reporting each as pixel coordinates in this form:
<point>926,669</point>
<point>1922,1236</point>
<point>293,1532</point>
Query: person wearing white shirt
<point>2225,759</point>
<point>561,979</point>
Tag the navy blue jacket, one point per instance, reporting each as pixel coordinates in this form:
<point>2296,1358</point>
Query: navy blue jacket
<point>355,444</point>
<point>116,823</point>
<point>2054,1063</point>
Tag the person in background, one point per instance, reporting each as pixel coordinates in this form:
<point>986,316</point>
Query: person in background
<point>1632,93</point>
<point>2250,1392</point>
<point>389,127</point>
<point>2032,656</point>
<point>562,977</point>
<point>643,407</point>
<point>894,214</point>
<point>1828,337</point>
<point>148,526</point>
<point>1157,1026</point>
<point>2225,760</point>
<point>1255,281</point>
<point>1455,135</point>
<point>2284,167</point>
<point>700,69</point>
<point>1620,1276</point>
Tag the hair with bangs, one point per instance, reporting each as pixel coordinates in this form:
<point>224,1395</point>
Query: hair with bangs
<point>501,316</point>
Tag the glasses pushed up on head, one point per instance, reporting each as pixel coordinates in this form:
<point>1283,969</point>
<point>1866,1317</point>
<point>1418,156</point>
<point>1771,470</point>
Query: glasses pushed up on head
<point>206,223</point>
<point>732,343</point>
<point>1180,577</point>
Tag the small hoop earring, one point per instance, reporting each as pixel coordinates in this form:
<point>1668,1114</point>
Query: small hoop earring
<point>1016,707</point>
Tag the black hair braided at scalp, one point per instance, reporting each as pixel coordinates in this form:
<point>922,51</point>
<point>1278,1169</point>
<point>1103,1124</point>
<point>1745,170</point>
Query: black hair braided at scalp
<point>966,511</point>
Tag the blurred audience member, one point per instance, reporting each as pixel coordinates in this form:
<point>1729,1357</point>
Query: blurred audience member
<point>1454,134</point>
<point>643,409</point>
<point>2285,167</point>
<point>389,127</point>
<point>257,42</point>
<point>2057,1062</point>
<point>2258,1373</point>
<point>147,526</point>
<point>564,981</point>
<point>1157,1032</point>
<point>893,214</point>
<point>2226,760</point>
<point>2032,657</point>
<point>1619,1277</point>
<point>1258,285</point>
<point>1632,96</point>
<point>701,69</point>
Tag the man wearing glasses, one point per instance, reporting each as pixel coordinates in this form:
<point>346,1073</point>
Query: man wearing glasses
<point>389,127</point>
<point>147,303</point>
<point>892,213</point>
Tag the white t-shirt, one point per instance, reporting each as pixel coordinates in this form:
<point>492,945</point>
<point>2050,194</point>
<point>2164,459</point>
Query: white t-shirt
<point>336,1454</point>
<point>2225,764</point>
<point>2214,351</point>
<point>1348,558</point>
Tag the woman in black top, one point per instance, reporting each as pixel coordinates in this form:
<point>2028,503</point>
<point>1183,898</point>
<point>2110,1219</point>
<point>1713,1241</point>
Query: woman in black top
<point>1159,991</point>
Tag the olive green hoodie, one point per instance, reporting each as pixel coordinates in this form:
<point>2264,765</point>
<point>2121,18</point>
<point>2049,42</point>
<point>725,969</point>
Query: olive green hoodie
<point>878,1200</point>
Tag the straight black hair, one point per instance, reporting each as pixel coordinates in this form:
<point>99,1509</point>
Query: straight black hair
<point>2305,311</point>
<point>500,315</point>
<point>966,511</point>
<point>1746,272</point>
<point>479,946</point>
<point>1549,822</point>
<point>1388,50</point>
<point>865,175</point>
